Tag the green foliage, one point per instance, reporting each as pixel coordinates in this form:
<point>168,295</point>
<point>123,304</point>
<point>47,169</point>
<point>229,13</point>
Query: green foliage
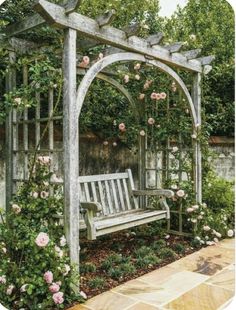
<point>96,283</point>
<point>87,268</point>
<point>32,243</point>
<point>158,244</point>
<point>147,260</point>
<point>179,248</point>
<point>143,251</point>
<point>218,193</point>
<point>121,270</point>
<point>166,253</point>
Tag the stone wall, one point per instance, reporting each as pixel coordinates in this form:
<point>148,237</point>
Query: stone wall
<point>95,158</point>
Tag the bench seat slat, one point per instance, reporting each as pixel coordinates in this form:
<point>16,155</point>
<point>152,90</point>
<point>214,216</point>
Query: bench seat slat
<point>103,177</point>
<point>114,192</point>
<point>127,198</point>
<point>109,201</point>
<point>120,195</point>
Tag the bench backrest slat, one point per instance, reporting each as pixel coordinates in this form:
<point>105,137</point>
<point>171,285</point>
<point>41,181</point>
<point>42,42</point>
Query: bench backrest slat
<point>112,191</point>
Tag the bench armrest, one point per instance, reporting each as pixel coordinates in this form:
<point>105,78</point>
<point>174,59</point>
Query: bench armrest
<point>91,206</point>
<point>154,192</point>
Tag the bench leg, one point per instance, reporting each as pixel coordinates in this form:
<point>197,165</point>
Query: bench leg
<point>91,229</point>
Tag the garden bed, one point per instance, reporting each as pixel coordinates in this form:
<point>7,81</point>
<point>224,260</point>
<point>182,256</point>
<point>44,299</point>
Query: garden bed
<point>116,258</point>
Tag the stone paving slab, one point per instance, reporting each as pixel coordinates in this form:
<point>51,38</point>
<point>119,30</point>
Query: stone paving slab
<point>203,280</point>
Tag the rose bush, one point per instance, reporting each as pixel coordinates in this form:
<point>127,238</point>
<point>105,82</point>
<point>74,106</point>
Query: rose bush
<point>35,269</point>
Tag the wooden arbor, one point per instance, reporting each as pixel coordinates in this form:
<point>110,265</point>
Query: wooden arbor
<point>131,47</point>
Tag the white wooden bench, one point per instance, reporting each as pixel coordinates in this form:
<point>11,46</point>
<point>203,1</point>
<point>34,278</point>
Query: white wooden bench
<point>111,203</point>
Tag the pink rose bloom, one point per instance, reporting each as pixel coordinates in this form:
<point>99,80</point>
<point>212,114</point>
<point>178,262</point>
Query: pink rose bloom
<point>63,241</point>
<point>126,78</point>
<point>16,209</point>
<point>158,97</point>
<point>163,95</point>
<point>58,298</point>
<point>151,121</point>
<point>146,86</point>
<point>17,101</point>
<point>54,288</point>
<point>10,289</point>
<point>44,195</point>
<point>137,66</point>
<point>194,136</point>
<point>3,280</point>
<point>180,193</point>
<point>141,96</point>
<point>86,60</point>
<point>195,207</point>
<point>67,270</point>
<point>122,127</point>
<point>142,133</point>
<point>153,96</point>
<point>137,77</point>
<point>48,277</point>
<point>59,252</point>
<point>44,160</point>
<point>42,239</point>
<point>206,228</point>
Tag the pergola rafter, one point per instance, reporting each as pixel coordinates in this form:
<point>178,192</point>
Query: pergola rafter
<point>79,29</point>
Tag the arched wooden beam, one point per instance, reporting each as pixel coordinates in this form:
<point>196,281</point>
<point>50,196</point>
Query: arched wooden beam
<point>120,88</point>
<point>110,59</point>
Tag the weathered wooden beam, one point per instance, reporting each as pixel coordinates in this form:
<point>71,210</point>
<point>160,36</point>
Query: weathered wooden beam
<point>22,46</point>
<point>132,30</point>
<point>106,18</point>
<point>71,145</point>
<point>191,54</point>
<point>72,6</point>
<point>110,35</point>
<point>27,24</point>
<point>207,60</point>
<point>175,47</point>
<point>155,39</point>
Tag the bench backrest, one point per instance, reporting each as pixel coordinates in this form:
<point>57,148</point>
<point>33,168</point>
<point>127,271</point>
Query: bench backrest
<point>112,191</point>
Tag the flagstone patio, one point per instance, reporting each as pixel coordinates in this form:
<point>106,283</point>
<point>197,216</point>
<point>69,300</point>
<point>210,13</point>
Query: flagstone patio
<point>203,280</point>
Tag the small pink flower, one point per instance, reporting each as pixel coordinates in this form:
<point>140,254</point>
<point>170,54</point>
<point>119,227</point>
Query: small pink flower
<point>141,96</point>
<point>126,78</point>
<point>59,251</point>
<point>44,160</point>
<point>10,289</point>
<point>158,96</point>
<point>100,56</point>
<point>146,86</point>
<point>189,210</point>
<point>16,209</point>
<point>3,280</point>
<point>23,288</point>
<point>82,294</point>
<point>200,217</point>
<point>230,233</point>
<point>4,250</point>
<point>48,277</point>
<point>187,111</point>
<point>17,100</point>
<point>42,239</point>
<point>54,288</point>
<point>142,133</point>
<point>105,143</point>
<point>195,207</point>
<point>35,195</point>
<point>151,121</point>
<point>62,241</point>
<point>58,298</point>
<point>153,96</point>
<point>114,144</point>
<point>137,77</point>
<point>206,228</point>
<point>137,66</point>
<point>194,136</point>
<point>67,270</point>
<point>44,195</point>
<point>163,95</point>
<point>122,127</point>
<point>180,193</point>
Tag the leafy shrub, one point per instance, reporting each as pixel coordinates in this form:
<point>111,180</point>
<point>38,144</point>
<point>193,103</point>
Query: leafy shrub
<point>97,282</point>
<point>115,273</point>
<point>143,251</point>
<point>121,270</point>
<point>159,244</point>
<point>35,269</point>
<point>166,253</point>
<point>218,193</point>
<point>111,260</point>
<point>87,267</point>
<point>147,260</point>
<point>179,248</point>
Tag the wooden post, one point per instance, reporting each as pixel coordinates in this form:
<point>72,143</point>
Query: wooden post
<point>71,145</point>
<point>10,85</point>
<point>196,96</point>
